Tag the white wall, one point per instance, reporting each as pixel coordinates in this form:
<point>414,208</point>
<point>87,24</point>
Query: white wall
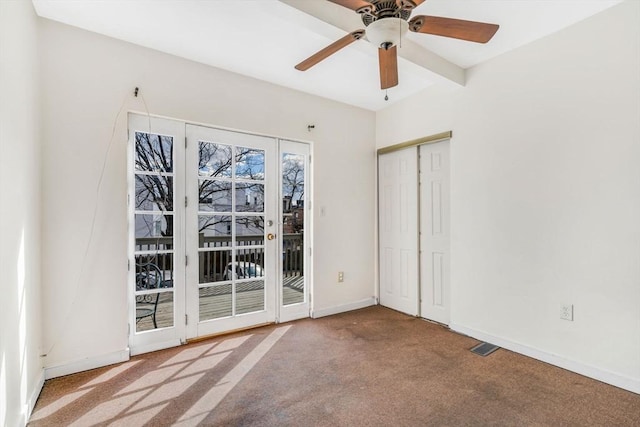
<point>86,78</point>
<point>546,194</point>
<point>21,372</point>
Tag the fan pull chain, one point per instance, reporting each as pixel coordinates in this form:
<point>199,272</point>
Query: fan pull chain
<point>386,96</point>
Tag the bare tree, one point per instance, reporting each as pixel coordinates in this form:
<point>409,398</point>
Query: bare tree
<point>216,163</point>
<point>154,186</point>
<point>293,190</point>
<point>293,177</point>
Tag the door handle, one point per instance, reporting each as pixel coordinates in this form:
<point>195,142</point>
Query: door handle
<point>271,236</point>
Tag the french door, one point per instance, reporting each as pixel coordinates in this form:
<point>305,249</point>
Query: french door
<point>156,227</point>
<point>231,229</point>
<point>218,241</point>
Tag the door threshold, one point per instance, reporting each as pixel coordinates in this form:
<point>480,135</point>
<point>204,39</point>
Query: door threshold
<point>229,332</point>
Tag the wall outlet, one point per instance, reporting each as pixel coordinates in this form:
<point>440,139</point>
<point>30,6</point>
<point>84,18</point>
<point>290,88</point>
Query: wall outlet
<point>566,312</point>
<point>340,276</point>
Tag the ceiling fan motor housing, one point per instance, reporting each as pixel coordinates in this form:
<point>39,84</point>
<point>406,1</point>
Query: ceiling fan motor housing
<point>385,9</point>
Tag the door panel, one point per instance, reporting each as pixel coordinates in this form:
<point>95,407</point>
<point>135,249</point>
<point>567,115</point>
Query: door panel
<point>434,231</point>
<point>231,282</point>
<point>398,230</point>
<point>156,276</point>
<point>295,263</point>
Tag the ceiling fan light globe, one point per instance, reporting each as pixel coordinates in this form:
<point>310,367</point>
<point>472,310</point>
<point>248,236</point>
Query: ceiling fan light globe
<point>387,30</point>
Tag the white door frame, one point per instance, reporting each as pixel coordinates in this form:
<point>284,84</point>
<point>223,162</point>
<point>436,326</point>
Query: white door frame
<point>186,300</point>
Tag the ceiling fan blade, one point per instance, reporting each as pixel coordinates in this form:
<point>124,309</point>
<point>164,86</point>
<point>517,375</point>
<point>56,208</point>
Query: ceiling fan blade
<point>330,50</point>
<point>360,6</point>
<point>388,67</point>
<point>472,31</point>
<point>409,4</point>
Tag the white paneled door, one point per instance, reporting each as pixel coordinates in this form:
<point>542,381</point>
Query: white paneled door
<point>398,230</point>
<point>434,232</point>
<point>413,212</point>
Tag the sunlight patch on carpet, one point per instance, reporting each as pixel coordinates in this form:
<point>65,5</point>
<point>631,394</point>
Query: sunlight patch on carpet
<point>55,406</point>
<point>207,403</point>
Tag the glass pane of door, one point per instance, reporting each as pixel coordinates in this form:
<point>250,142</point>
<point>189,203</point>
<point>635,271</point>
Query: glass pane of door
<point>215,251</point>
<point>230,230</point>
<point>293,197</point>
<point>154,236</point>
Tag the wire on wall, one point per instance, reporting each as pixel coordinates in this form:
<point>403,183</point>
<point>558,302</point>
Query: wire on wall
<point>98,190</point>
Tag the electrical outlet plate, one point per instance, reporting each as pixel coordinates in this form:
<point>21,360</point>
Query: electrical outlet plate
<point>340,276</point>
<point>566,312</point>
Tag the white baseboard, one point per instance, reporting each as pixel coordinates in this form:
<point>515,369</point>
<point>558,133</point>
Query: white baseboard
<point>626,383</point>
<point>367,302</point>
<point>87,363</point>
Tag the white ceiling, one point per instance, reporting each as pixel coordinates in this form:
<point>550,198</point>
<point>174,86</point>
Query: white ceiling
<point>264,39</point>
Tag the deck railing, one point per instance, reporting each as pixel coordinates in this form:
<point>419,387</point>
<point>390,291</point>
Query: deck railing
<point>212,263</point>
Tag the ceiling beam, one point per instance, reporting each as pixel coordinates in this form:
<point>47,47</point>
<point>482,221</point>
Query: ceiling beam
<point>333,14</point>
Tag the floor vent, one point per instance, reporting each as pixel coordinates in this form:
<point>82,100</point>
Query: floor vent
<point>484,349</point>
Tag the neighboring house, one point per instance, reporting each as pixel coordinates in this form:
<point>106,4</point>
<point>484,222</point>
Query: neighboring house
<point>293,221</point>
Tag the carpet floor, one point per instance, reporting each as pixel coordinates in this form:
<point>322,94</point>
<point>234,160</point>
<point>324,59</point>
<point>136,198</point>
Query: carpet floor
<point>370,367</point>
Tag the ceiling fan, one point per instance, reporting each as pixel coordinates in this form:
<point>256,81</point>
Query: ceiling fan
<point>387,21</point>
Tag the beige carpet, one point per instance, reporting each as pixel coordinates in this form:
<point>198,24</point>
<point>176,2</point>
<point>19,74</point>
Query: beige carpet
<point>371,367</point>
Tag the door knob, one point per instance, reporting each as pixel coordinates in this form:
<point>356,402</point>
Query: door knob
<point>271,236</point>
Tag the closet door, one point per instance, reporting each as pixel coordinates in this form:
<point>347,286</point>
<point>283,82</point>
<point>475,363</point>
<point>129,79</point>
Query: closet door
<point>398,230</point>
<point>434,232</point>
